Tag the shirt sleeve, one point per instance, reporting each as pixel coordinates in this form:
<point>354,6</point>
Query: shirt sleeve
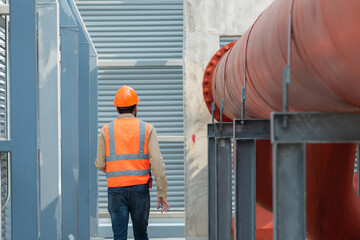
<point>157,163</point>
<point>100,161</point>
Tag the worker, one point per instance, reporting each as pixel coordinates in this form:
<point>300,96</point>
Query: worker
<point>127,150</point>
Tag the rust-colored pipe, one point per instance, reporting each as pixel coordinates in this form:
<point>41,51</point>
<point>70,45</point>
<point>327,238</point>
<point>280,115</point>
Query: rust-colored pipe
<point>325,77</point>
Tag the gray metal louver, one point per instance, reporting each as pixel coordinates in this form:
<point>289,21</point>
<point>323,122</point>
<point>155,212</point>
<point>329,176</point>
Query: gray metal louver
<point>227,39</point>
<point>135,29</point>
<point>5,191</point>
<point>160,92</point>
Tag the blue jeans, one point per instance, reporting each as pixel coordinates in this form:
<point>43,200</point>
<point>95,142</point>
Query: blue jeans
<point>134,200</point>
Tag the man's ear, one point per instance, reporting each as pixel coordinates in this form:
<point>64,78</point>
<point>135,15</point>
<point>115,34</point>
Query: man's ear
<point>135,111</point>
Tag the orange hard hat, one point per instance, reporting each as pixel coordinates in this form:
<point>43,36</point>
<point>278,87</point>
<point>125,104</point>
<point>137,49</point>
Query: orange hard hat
<point>126,97</point>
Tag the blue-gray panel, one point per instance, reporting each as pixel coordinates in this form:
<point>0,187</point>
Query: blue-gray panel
<point>69,122</point>
<point>23,71</point>
<point>135,29</point>
<point>84,135</point>
<point>93,113</point>
<point>86,53</point>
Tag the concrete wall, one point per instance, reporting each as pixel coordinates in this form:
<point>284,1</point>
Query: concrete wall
<point>204,22</point>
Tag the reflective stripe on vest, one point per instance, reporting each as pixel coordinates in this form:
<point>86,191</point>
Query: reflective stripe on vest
<point>127,155</point>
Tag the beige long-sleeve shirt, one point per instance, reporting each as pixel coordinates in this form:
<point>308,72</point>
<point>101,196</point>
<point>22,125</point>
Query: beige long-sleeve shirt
<point>156,160</point>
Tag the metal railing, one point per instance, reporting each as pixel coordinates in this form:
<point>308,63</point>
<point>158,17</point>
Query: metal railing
<point>289,134</point>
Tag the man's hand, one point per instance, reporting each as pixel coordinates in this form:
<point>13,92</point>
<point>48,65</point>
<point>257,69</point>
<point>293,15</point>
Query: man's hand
<point>161,202</point>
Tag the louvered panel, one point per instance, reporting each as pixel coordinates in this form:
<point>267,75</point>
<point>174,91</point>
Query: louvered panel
<point>3,83</point>
<point>227,39</point>
<point>3,126</point>
<point>135,29</point>
<point>160,91</point>
<point>173,156</point>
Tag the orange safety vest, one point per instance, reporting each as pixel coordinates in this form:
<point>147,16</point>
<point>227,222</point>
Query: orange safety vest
<point>127,153</point>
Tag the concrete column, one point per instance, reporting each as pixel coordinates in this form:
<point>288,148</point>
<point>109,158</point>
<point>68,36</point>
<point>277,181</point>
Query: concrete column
<point>204,23</point>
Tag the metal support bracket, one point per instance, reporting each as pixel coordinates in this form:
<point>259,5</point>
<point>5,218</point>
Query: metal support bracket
<point>243,99</point>
<point>246,132</point>
<point>220,135</point>
<point>315,127</point>
<point>221,109</point>
<point>252,129</point>
<point>289,153</point>
<point>286,82</point>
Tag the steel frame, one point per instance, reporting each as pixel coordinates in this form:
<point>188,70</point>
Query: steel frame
<point>289,133</point>
<point>220,135</point>
<point>73,191</point>
<point>88,222</point>
<point>245,132</point>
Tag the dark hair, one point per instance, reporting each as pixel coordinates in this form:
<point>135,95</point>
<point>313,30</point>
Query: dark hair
<point>126,109</point>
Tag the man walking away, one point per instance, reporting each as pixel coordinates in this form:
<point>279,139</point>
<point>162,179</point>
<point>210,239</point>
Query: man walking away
<point>127,150</point>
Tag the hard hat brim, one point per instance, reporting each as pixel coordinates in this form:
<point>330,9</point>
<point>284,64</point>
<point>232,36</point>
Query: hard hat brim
<point>127,105</point>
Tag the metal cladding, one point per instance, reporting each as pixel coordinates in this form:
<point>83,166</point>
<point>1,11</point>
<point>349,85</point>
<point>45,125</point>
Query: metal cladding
<point>325,73</point>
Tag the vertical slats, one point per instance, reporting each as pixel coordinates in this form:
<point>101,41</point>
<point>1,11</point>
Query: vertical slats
<point>3,124</point>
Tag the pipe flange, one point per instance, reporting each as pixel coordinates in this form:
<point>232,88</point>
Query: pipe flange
<point>207,81</point>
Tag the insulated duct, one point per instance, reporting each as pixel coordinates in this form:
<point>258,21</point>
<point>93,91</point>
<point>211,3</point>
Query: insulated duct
<point>325,77</point>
